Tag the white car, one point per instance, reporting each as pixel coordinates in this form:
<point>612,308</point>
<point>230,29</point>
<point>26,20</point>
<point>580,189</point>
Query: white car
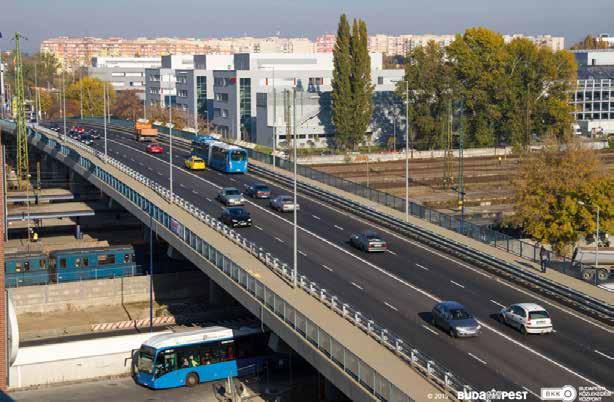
<point>284,203</point>
<point>529,318</point>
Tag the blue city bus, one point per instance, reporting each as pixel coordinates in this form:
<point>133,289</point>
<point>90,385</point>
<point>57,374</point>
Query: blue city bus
<point>25,269</point>
<point>219,155</point>
<point>93,263</point>
<point>197,356</point>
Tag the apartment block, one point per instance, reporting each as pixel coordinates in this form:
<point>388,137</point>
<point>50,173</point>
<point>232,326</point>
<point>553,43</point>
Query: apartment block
<point>124,73</point>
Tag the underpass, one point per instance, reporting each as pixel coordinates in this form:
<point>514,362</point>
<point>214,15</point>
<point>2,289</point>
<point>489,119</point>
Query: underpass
<point>398,289</point>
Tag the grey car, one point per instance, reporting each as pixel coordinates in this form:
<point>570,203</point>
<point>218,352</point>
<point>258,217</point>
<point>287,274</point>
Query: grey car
<point>453,318</point>
<point>284,203</point>
<point>368,241</point>
<point>230,196</point>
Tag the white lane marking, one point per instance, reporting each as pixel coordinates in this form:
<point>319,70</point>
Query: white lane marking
<point>338,227</point>
<point>327,268</point>
<point>316,217</point>
<point>391,306</point>
<point>531,392</point>
<point>209,199</point>
<point>421,291</point>
<point>149,168</point>
<point>357,285</point>
<point>231,179</point>
<point>194,191</point>
<point>279,240</point>
<point>429,329</point>
<point>218,173</point>
<point>422,267</point>
<point>124,155</point>
<point>477,358</point>
<point>132,159</point>
<point>391,252</point>
<point>457,284</point>
<point>497,303</point>
<point>160,174</point>
<point>258,227</point>
<point>536,353</point>
<point>301,253</point>
<point>604,355</point>
<point>141,164</point>
<point>181,185</point>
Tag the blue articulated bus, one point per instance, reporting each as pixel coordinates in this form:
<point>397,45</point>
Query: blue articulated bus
<point>24,269</point>
<point>197,356</point>
<point>219,155</point>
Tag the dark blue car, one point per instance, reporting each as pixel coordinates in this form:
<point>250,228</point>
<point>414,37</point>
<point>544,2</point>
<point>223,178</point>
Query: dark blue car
<point>453,318</point>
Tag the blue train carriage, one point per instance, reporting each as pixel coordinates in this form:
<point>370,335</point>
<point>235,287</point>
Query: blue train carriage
<point>93,263</point>
<point>25,269</point>
<point>197,356</point>
<point>219,155</point>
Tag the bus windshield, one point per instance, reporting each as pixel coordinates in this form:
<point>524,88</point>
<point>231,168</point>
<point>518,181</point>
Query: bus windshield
<point>145,362</point>
<point>237,156</point>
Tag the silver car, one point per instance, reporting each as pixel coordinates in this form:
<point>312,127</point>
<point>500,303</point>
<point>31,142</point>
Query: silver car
<point>368,241</point>
<point>230,196</point>
<point>284,203</point>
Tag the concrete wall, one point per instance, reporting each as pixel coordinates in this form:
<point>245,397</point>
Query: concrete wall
<point>79,295</point>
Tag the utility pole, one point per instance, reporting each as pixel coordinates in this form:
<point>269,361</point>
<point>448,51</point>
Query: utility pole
<point>170,147</point>
<point>23,165</point>
<point>406,150</point>
<point>63,102</point>
<point>295,251</point>
<point>151,273</point>
<point>81,93</point>
<point>461,167</point>
<point>36,97</point>
<point>104,112</point>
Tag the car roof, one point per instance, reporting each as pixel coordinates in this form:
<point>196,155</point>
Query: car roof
<point>530,306</point>
<point>229,188</point>
<point>235,209</point>
<point>369,233</point>
<point>452,304</point>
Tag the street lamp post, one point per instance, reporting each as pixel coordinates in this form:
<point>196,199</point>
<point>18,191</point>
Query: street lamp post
<point>272,68</point>
<point>170,147</point>
<point>406,147</point>
<point>295,276</point>
<point>63,103</point>
<point>151,273</point>
<point>104,112</point>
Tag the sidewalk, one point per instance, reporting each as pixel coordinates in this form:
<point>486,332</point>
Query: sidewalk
<point>521,263</point>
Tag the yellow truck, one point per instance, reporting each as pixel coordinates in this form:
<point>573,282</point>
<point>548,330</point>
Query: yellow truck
<point>145,131</point>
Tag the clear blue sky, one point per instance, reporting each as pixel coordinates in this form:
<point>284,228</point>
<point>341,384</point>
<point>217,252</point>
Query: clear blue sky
<point>40,19</point>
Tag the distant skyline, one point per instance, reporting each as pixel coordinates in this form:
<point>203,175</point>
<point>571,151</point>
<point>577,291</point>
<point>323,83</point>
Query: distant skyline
<point>40,19</point>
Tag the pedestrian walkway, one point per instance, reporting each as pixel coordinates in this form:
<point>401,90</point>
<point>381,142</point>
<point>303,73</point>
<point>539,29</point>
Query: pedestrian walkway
<point>521,263</point>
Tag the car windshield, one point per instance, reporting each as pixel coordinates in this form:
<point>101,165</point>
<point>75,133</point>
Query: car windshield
<point>459,314</point>
<point>237,155</point>
<point>372,236</point>
<point>197,160</point>
<point>232,192</point>
<point>145,362</point>
<point>237,211</point>
<point>536,315</point>
<point>286,199</point>
<point>261,188</point>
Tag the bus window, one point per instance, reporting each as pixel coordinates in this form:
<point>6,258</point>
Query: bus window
<point>26,266</point>
<point>77,262</point>
<point>106,259</point>
<point>17,267</point>
<point>237,156</point>
<point>166,362</point>
<point>43,263</point>
<point>86,261</point>
<point>126,258</point>
<point>62,262</point>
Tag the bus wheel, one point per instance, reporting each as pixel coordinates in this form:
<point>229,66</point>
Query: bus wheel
<point>191,380</point>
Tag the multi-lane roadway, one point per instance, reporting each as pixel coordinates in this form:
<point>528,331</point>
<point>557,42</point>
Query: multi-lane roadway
<point>399,288</point>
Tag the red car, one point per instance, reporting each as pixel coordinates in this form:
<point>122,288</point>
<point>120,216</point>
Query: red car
<point>154,149</point>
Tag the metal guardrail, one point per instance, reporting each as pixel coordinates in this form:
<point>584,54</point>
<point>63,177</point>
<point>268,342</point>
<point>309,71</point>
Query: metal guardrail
<point>380,387</point>
<point>591,305</point>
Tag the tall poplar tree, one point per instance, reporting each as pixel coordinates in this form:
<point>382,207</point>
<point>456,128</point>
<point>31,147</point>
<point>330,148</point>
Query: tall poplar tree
<point>341,83</point>
<point>362,89</point>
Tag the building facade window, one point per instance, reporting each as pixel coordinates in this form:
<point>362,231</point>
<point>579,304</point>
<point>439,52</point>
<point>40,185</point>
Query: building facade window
<point>222,97</point>
<point>245,107</point>
<point>182,93</point>
<point>201,97</point>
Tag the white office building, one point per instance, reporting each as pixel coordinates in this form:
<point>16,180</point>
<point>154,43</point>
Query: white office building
<point>235,91</point>
<point>160,82</point>
<point>195,86</point>
<point>593,98</point>
<point>124,73</point>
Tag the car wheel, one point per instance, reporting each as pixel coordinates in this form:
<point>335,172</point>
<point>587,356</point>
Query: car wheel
<point>501,319</point>
<point>452,333</point>
<point>523,330</point>
<point>191,380</point>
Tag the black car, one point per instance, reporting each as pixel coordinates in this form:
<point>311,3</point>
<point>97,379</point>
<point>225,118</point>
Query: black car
<point>236,217</point>
<point>94,134</point>
<point>258,190</point>
<point>86,139</point>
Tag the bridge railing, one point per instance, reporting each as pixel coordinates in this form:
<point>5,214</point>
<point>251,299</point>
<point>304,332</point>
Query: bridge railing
<point>349,362</point>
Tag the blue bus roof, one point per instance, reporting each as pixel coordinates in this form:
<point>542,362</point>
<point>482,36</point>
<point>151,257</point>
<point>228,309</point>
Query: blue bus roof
<point>226,146</point>
<point>198,336</point>
<point>201,139</point>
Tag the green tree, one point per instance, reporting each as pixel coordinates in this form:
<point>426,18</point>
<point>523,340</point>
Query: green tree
<point>342,90</point>
<point>92,90</point>
<point>589,42</point>
<point>551,183</point>
<point>362,89</point>
<point>431,89</point>
<point>479,58</point>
